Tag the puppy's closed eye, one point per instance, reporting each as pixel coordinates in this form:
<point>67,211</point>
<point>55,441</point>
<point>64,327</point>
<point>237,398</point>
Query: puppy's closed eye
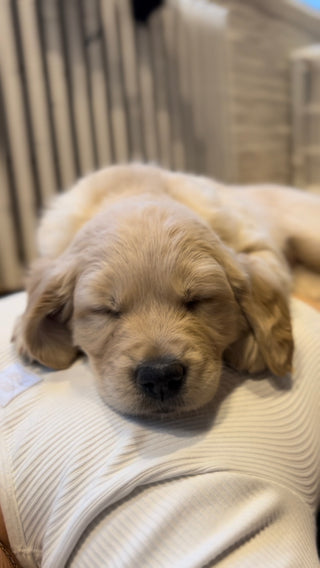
<point>195,300</point>
<point>192,304</point>
<point>111,311</point>
<point>195,303</point>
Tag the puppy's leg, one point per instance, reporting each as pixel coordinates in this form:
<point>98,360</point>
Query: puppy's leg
<point>294,217</point>
<point>303,225</point>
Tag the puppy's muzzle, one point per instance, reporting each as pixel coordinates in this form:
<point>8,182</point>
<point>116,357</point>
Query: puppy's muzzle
<point>160,379</point>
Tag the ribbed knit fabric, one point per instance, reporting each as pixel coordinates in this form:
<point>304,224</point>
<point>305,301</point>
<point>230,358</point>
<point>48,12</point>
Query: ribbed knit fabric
<point>236,484</point>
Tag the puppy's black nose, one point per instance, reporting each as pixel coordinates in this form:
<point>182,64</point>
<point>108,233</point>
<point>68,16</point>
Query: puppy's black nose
<point>160,379</point>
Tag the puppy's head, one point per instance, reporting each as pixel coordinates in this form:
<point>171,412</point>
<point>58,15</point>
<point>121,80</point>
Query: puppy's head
<point>155,300</point>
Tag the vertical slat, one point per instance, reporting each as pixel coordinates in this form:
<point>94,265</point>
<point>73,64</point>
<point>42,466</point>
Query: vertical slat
<point>13,100</point>
<point>177,145</point>
<point>312,120</point>
<point>10,266</point>
<point>209,80</point>
<point>217,97</point>
<point>226,165</point>
<point>184,78</point>
<point>10,262</point>
<point>300,99</point>
<point>78,85</point>
<point>113,57</point>
<point>205,100</point>
<point>56,71</point>
<point>130,76</point>
<point>37,96</point>
<point>160,89</point>
<point>98,81</point>
<point>192,15</point>
<point>147,92</point>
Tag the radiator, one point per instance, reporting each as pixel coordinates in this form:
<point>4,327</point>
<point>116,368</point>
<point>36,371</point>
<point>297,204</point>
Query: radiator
<point>306,117</point>
<point>82,86</point>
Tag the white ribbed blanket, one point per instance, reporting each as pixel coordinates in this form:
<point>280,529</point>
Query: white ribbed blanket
<point>235,485</point>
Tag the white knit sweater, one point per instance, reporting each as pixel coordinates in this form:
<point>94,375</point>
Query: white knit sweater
<point>234,485</point>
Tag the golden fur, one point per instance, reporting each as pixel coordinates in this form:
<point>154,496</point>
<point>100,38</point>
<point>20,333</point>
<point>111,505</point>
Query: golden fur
<point>139,265</point>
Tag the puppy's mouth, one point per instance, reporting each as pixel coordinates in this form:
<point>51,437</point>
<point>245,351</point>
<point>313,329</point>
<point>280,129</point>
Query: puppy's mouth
<point>153,408</point>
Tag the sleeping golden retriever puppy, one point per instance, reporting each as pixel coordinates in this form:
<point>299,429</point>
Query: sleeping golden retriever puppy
<point>159,277</point>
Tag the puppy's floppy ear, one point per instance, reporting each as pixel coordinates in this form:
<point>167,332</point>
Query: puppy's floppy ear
<point>263,294</point>
<point>43,333</point>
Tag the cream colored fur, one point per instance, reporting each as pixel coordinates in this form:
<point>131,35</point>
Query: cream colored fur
<point>139,263</point>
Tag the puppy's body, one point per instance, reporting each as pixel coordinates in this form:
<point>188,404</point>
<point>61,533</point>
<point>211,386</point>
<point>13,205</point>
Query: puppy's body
<point>159,276</point>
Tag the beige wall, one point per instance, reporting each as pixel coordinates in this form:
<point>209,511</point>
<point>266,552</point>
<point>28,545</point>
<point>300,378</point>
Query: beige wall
<point>263,33</point>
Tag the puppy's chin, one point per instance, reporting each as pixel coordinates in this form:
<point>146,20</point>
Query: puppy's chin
<point>146,408</point>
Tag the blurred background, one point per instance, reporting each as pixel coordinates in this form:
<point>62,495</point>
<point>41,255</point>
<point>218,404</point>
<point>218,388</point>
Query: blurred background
<point>229,88</point>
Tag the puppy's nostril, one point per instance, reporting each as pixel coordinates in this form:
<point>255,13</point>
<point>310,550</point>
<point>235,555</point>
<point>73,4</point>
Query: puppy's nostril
<point>160,379</point>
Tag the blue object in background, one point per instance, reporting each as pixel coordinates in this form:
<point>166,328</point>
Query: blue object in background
<point>312,3</point>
